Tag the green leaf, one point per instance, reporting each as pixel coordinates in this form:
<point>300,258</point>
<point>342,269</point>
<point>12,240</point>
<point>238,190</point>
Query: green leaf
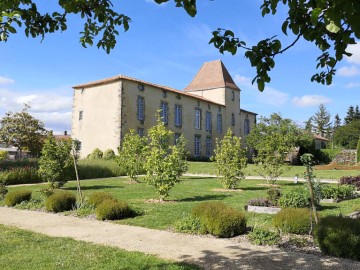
<point>284,27</point>
<point>315,14</point>
<point>332,27</point>
<point>261,84</point>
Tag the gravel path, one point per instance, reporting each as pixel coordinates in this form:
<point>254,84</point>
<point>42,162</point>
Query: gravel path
<point>208,252</point>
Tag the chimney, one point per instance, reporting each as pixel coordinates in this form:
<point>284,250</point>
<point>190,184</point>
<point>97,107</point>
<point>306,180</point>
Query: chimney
<point>65,133</point>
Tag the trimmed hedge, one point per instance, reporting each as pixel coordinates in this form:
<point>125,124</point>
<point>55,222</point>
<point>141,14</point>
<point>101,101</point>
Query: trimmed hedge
<point>97,198</point>
<point>293,220</point>
<point>295,198</point>
<point>61,200</point>
<point>339,236</point>
<point>112,209</point>
<point>219,219</point>
<point>16,197</point>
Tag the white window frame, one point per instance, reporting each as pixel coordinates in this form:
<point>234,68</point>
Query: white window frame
<point>219,123</point>
<point>164,112</point>
<point>140,110</point>
<point>208,121</point>
<point>197,146</point>
<point>197,120</point>
<point>208,152</point>
<point>178,115</point>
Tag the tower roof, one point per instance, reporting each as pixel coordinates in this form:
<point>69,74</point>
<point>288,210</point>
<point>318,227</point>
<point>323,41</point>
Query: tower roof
<point>212,75</point>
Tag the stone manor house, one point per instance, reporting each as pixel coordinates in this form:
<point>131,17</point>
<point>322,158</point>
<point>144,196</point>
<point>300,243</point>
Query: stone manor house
<point>105,110</point>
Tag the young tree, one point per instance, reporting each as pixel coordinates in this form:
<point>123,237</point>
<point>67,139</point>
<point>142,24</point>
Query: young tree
<point>309,125</point>
<point>337,122</point>
<point>230,160</point>
<point>347,135</point>
<point>23,131</point>
<point>331,24</point>
<point>350,115</point>
<point>165,163</point>
<point>132,155</point>
<point>321,120</point>
<point>56,163</point>
<point>273,138</point>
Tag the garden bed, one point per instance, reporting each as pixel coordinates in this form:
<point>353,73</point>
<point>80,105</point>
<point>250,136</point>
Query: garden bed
<point>262,209</point>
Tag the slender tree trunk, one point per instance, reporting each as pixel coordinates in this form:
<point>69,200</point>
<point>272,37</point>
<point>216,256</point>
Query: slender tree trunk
<point>312,195</point>
<point>77,177</point>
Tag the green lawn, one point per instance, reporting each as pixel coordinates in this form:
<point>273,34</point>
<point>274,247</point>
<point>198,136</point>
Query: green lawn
<point>20,249</point>
<point>185,195</point>
<point>292,171</point>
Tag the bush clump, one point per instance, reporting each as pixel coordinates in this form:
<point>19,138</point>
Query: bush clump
<point>60,200</point>
<point>109,154</point>
<point>219,219</point>
<point>16,197</point>
<point>293,220</point>
<point>97,198</point>
<point>339,236</point>
<point>260,202</point>
<point>342,192</point>
<point>111,209</point>
<point>96,154</point>
<point>260,236</point>
<point>351,180</point>
<point>295,198</point>
<point>189,224</point>
<point>273,195</point>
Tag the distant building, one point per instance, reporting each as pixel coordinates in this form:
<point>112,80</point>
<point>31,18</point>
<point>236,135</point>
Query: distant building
<point>105,110</point>
<point>320,142</point>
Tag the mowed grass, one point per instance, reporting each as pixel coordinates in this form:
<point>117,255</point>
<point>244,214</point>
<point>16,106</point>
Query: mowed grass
<point>291,171</point>
<point>20,249</point>
<point>185,195</point>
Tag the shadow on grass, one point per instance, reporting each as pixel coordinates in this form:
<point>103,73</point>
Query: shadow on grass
<point>328,207</point>
<point>203,198</point>
<point>196,178</point>
<point>254,188</point>
<point>95,187</point>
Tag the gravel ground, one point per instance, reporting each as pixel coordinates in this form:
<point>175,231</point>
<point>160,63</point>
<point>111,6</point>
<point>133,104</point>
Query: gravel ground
<point>206,251</point>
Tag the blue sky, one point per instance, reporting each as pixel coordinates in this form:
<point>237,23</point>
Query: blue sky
<point>165,46</point>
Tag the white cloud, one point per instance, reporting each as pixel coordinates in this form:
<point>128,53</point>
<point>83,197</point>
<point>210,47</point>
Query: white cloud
<point>349,71</point>
<point>242,80</point>
<point>355,50</point>
<point>5,80</point>
<point>273,97</point>
<point>352,85</point>
<point>310,100</point>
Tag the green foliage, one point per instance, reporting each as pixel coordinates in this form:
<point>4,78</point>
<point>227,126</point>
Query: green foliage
<point>273,195</point>
<point>347,136</point>
<point>273,138</point>
<point>260,236</point>
<point>297,197</point>
<point>230,159</point>
<point>358,151</point>
<point>61,200</point>
<point>22,130</point>
<point>97,198</point>
<point>16,197</point>
<point>339,236</point>
<point>321,121</point>
<point>3,155</point>
<point>341,192</point>
<point>96,154</point>
<point>188,224</point>
<point>293,220</point>
<point>219,219</point>
<point>9,164</point>
<point>99,168</point>
<point>18,175</point>
<point>111,209</point>
<point>109,154</point>
<point>164,163</point>
<point>3,189</point>
<point>325,156</point>
<point>132,154</point>
<point>56,164</point>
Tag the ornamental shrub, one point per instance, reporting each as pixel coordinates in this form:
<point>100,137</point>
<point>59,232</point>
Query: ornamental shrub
<point>109,154</point>
<point>97,198</point>
<point>3,155</point>
<point>96,154</point>
<point>61,200</point>
<point>260,236</point>
<point>295,198</point>
<point>22,175</point>
<point>112,209</point>
<point>16,197</point>
<point>259,202</point>
<point>3,189</point>
<point>293,220</point>
<point>273,195</point>
<point>189,224</point>
<point>351,180</point>
<point>219,219</point>
<point>339,236</point>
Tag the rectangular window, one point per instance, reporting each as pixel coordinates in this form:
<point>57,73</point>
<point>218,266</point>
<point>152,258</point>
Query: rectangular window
<point>178,116</point>
<point>208,146</point>
<point>197,118</point>
<point>246,127</point>
<point>176,137</point>
<point>164,94</point>
<point>80,115</point>
<point>164,112</point>
<point>140,132</point>
<point>140,108</point>
<point>197,146</point>
<point>233,119</point>
<point>219,123</point>
<point>208,121</point>
<point>232,95</point>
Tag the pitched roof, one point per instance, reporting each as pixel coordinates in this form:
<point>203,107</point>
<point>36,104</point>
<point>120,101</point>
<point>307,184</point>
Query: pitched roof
<point>212,75</point>
<point>321,138</point>
<point>123,77</point>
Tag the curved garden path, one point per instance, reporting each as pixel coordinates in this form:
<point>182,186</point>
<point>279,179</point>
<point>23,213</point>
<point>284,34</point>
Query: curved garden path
<point>208,252</point>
